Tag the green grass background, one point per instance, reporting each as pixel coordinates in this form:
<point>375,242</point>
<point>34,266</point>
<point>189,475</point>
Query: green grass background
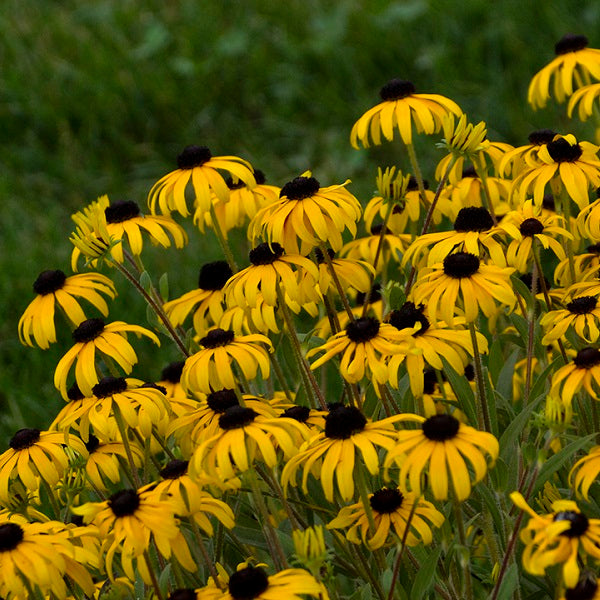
<point>99,97</point>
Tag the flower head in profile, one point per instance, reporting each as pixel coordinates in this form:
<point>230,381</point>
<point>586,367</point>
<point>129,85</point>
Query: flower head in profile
<point>582,372</point>
<point>54,289</point>
<point>198,167</point>
<point>581,314</point>
<point>91,238</point>
<point>400,109</point>
<point>585,472</point>
<point>587,588</point>
<point>574,61</point>
<point>463,138</point>
<point>516,159</point>
<point>586,97</point>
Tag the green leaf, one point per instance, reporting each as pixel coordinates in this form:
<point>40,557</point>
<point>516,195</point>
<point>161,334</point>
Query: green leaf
<point>506,374</point>
<point>509,583</point>
<point>145,281</point>
<point>463,391</point>
<point>163,286</point>
<point>424,579</point>
<point>511,434</point>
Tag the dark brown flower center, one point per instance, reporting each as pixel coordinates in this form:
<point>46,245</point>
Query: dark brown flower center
<point>214,275</point>
<point>593,249</point>
<point>24,438</point>
<point>579,523</point>
<point>548,202</point>
<point>408,315</point>
<point>343,422</point>
<point>460,265</point>
<point>74,393</point>
<point>172,372</point>
<point>587,358</point>
<point>321,258</point>
<point>221,400</point>
<point>174,469</point>
<point>265,254</point>
<point>440,428</point>
<point>377,228</point>
<point>473,218</point>
<point>48,282</point>
<point>88,330</point>
<point>217,337</point>
<point>92,444</point>
<point>413,184</point>
<point>541,137</point>
<point>193,156</point>
<point>11,535</point>
<point>124,503</point>
<point>561,151</point>
<point>585,589</point>
<point>108,386</point>
<point>570,43</point>
<point>298,413</point>
<point>121,211</point>
<point>470,372</point>
<point>429,381</point>
<point>582,305</point>
<point>469,172</point>
<point>238,185</point>
<point>248,583</point>
<point>237,416</point>
<point>362,330</point>
<point>183,594</point>
<point>531,227</point>
<point>374,296</point>
<point>300,188</point>
<point>396,89</point>
<point>386,500</point>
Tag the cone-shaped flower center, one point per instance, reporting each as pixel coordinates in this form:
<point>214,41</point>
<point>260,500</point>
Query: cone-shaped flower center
<point>217,337</point>
<point>193,156</point>
<point>584,590</point>
<point>48,282</point>
<point>321,258</point>
<point>343,422</point>
<point>440,428</point>
<point>183,594</point>
<point>237,416</point>
<point>174,469</point>
<point>593,249</point>
<point>238,185</point>
<point>172,372</point>
<point>109,386</point>
<point>413,184</point>
<point>469,172</point>
<point>396,89</point>
<point>299,413</point>
<point>473,218</point>
<point>582,305</point>
<point>579,523</point>
<point>88,330</point>
<point>300,188</point>
<point>265,254</point>
<point>470,372</point>
<point>74,393</point>
<point>386,500</point>
<point>570,43</point>
<point>11,535</point>
<point>221,400</point>
<point>460,265</point>
<point>527,279</point>
<point>548,202</point>
<point>374,296</point>
<point>363,329</point>
<point>24,438</point>
<point>429,381</point>
<point>248,583</point>
<point>124,503</point>
<point>531,227</point>
<point>378,228</point>
<point>408,315</point>
<point>92,444</point>
<point>587,358</point>
<point>259,177</point>
<point>121,211</point>
<point>540,137</point>
<point>561,151</point>
<point>214,275</point>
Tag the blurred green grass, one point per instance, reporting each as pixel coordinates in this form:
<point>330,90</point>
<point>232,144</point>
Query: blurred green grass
<point>100,97</point>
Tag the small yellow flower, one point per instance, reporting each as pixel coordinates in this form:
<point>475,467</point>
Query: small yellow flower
<point>464,138</point>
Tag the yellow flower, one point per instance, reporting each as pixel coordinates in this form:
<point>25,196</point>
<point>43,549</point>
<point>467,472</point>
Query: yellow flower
<point>464,138</point>
<point>103,460</point>
<point>587,588</point>
<point>366,248</point>
<point>581,314</point>
<point>401,107</point>
<point>516,159</point>
<point>584,371</point>
<point>585,472</point>
<point>91,237</point>
<point>585,97</point>
<point>55,288</point>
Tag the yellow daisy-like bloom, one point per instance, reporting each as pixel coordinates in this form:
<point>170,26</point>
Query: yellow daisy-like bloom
<point>308,212</point>
<point>35,454</point>
<point>261,318</point>
<point>516,159</point>
<point>452,453</point>
<point>574,61</point>
<point>572,164</point>
<point>253,583</point>
<point>463,280</point>
<point>391,510</point>
<point>44,556</point>
<point>585,472</point>
<point>586,266</point>
<point>582,314</point>
<point>400,109</point>
<point>200,168</point>
<point>103,460</point>
<point>584,371</point>
<point>555,538</point>
<point>585,97</point>
<point>127,521</point>
<point>528,224</point>
<point>91,237</point>
<point>364,344</point>
<point>365,248</point>
<point>588,220</point>
<point>170,379</point>
<point>110,340</point>
<point>245,436</point>
<point>210,369</point>
<point>333,452</point>
<point>55,288</point>
<point>587,588</point>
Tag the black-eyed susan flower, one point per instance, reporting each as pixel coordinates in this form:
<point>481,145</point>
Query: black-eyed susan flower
<point>46,558</point>
<point>391,510</point>
<point>451,453</point>
<point>582,314</point>
<point>400,109</point>
<point>170,379</point>
<point>573,165</point>
<point>585,472</point>
<point>261,318</point>
<point>587,588</point>
<point>586,97</point>
<point>364,345</point>
<point>309,214</point>
<point>90,238</point>
<point>462,139</point>
<point>557,538</point>
<point>210,368</point>
<point>110,340</point>
<point>332,454</point>
<point>516,159</point>
<point>463,281</point>
<point>574,62</point>
<point>54,289</point>
<point>103,460</point>
<point>35,455</point>
<point>582,372</point>
<point>367,248</point>
<point>587,220</point>
<point>245,436</point>
<point>199,167</point>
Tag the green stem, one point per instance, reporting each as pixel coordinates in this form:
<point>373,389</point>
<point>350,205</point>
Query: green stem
<point>153,578</point>
<point>480,168</point>
<point>414,163</point>
<point>468,583</point>
<point>203,550</point>
<point>223,240</point>
<point>482,397</point>
<point>337,283</point>
<point>535,277</point>
<point>123,431</point>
